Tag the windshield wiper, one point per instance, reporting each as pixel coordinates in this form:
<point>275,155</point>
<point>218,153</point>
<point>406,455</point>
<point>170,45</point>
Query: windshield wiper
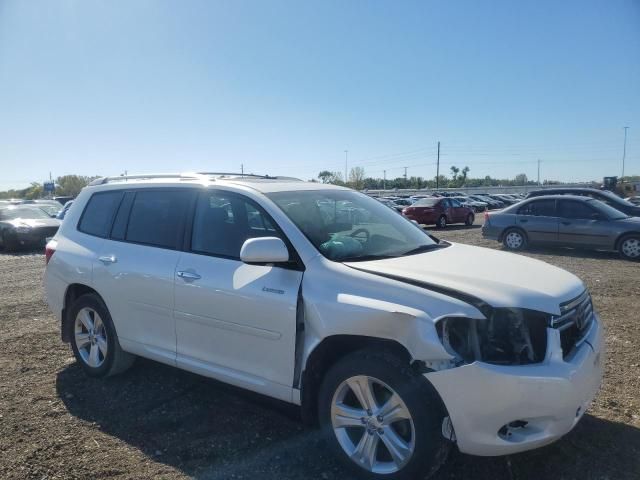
<point>364,258</point>
<point>424,248</point>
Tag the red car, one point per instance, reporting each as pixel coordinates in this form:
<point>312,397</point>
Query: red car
<point>439,211</point>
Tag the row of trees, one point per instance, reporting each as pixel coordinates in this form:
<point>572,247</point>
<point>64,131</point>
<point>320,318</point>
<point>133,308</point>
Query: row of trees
<point>66,185</point>
<point>459,178</point>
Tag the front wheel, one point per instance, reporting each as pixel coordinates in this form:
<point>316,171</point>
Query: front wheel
<point>470,219</point>
<point>442,222</point>
<point>629,247</point>
<point>381,419</point>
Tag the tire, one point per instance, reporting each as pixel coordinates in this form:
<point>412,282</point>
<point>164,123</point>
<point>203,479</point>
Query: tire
<point>420,446</point>
<point>442,222</point>
<point>470,219</point>
<point>514,239</point>
<point>93,338</point>
<point>629,247</point>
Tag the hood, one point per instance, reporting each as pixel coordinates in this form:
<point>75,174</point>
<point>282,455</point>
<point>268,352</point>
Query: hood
<point>497,278</point>
<point>35,222</point>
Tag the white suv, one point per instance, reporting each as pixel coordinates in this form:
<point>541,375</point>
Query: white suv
<point>398,344</point>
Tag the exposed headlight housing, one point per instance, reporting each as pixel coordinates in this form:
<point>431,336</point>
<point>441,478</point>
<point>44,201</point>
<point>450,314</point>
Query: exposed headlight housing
<point>510,336</point>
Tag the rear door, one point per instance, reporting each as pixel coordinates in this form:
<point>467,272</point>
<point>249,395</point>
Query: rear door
<point>136,268</point>
<point>234,321</point>
<point>581,224</point>
<point>539,220</point>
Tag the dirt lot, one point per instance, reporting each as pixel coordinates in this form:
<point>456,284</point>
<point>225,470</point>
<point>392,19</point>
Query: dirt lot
<point>155,421</point>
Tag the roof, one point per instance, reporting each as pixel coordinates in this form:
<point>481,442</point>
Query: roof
<point>580,198</point>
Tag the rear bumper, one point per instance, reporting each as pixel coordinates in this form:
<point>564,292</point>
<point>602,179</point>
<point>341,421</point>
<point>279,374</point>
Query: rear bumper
<point>491,232</point>
<point>551,397</point>
<point>422,219</point>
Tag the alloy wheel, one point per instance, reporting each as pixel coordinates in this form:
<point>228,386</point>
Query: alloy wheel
<point>631,248</point>
<point>90,336</point>
<point>514,240</point>
<point>372,424</point>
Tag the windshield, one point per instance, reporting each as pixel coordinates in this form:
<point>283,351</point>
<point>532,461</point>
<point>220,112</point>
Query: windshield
<point>608,210</point>
<point>348,226</point>
<point>27,213</point>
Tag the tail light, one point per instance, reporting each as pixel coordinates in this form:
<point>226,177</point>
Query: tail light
<point>486,217</point>
<point>49,250</point>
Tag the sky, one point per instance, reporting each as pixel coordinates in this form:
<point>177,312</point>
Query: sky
<point>285,87</point>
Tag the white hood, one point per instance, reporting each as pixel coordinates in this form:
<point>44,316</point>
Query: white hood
<point>498,278</point>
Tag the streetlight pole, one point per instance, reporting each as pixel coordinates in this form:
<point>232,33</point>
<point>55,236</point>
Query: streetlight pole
<point>384,179</point>
<point>346,160</point>
<point>438,169</point>
<point>624,150</point>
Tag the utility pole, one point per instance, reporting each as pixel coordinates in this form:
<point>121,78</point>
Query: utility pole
<point>624,150</point>
<point>538,172</point>
<point>242,169</point>
<point>384,179</point>
<point>405,177</point>
<point>346,160</point>
<point>438,169</point>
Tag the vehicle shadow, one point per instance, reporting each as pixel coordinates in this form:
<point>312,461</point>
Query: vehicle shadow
<point>209,430</point>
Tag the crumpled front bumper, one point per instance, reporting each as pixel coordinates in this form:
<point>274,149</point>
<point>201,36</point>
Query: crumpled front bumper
<point>551,397</point>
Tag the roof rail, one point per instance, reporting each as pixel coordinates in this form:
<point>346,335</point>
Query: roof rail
<point>185,175</point>
<point>247,175</point>
<point>147,176</point>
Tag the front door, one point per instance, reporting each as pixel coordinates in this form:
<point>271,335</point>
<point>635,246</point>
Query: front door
<point>234,321</point>
<point>580,224</point>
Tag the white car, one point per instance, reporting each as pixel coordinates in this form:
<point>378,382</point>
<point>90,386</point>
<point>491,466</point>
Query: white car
<point>397,345</point>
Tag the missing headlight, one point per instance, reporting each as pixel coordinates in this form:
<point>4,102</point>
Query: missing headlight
<point>507,337</point>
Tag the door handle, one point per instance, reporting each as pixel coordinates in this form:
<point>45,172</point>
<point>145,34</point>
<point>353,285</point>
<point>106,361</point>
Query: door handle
<point>565,223</point>
<point>188,275</point>
<point>108,259</point>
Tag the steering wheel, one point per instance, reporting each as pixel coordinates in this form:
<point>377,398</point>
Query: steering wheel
<point>357,235</point>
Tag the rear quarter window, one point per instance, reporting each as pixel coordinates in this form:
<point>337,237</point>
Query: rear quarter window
<point>98,215</point>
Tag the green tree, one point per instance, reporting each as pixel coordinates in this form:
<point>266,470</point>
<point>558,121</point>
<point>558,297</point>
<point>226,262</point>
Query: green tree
<point>71,184</point>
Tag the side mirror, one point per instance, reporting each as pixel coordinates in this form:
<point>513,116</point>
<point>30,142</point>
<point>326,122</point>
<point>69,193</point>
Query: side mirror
<point>264,250</point>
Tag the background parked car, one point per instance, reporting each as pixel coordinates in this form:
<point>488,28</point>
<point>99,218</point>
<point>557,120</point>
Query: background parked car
<point>25,226</point>
<point>605,196</point>
<point>65,209</point>
<point>475,205</point>
<point>50,207</point>
<point>491,203</point>
<point>439,211</point>
<point>565,220</point>
<point>633,200</point>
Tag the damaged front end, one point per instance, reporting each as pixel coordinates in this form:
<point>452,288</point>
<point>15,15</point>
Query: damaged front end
<point>509,336</point>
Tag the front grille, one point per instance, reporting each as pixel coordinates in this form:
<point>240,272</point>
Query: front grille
<point>574,322</point>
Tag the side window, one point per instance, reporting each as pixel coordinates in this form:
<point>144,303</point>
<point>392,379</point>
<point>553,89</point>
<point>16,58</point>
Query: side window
<point>575,210</point>
<point>223,222</point>
<point>455,203</point>
<point>539,208</point>
<point>98,214</point>
<point>445,203</point>
<point>157,217</point>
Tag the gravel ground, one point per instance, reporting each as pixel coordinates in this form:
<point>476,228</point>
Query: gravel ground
<point>156,421</point>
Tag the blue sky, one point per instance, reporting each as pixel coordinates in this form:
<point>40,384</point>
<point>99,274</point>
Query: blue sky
<point>284,87</point>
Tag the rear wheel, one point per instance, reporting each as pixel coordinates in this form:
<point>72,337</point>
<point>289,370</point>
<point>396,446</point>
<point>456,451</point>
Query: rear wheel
<point>381,419</point>
<point>93,338</point>
<point>442,222</point>
<point>629,247</point>
<point>514,239</point>
<point>470,219</point>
